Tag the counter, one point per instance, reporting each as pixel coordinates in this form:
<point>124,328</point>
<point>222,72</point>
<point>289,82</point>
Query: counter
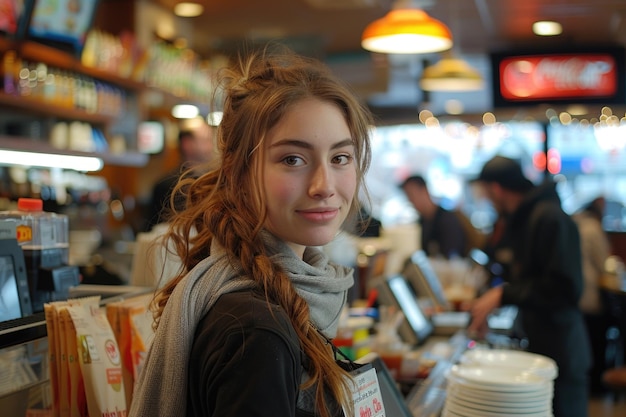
<point>427,399</point>
<point>24,341</point>
<point>25,375</point>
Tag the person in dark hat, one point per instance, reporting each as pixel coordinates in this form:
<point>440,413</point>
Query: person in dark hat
<point>442,233</point>
<point>545,280</point>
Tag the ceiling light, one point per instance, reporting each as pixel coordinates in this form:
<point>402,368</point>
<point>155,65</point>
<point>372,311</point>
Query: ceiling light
<point>48,160</point>
<point>188,9</point>
<point>185,111</point>
<point>406,30</point>
<point>451,74</point>
<point>547,28</point>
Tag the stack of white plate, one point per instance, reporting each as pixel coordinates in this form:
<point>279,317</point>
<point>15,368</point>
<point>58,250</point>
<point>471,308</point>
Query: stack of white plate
<point>500,384</point>
<point>504,358</point>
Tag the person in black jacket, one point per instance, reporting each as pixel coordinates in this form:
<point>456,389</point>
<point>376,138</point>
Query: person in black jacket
<point>545,280</point>
<point>442,233</point>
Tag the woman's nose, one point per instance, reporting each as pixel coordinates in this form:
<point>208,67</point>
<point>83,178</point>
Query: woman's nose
<point>321,185</point>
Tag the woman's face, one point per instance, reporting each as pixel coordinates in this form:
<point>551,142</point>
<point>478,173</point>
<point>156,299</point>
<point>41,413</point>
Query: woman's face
<point>309,174</point>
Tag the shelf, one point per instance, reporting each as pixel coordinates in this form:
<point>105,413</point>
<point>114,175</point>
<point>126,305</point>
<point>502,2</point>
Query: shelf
<point>34,51</point>
<point>37,52</point>
<point>41,107</point>
<point>130,159</point>
<point>22,330</point>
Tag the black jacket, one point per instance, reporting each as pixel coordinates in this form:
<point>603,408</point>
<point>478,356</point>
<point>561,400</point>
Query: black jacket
<point>546,283</point>
<point>443,235</point>
<point>246,361</point>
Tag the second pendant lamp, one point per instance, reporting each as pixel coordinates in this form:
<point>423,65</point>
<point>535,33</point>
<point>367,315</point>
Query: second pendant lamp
<point>451,73</point>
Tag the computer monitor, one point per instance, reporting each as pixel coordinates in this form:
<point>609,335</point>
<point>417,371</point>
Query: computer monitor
<point>424,280</point>
<point>415,327</point>
<point>14,294</point>
<point>63,25</point>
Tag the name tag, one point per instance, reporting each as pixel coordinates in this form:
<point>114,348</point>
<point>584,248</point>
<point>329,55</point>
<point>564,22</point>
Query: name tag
<point>366,394</point>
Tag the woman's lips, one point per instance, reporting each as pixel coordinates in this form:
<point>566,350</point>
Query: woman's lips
<point>322,215</point>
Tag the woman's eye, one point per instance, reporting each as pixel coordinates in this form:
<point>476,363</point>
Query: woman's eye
<point>293,160</point>
<point>342,159</point>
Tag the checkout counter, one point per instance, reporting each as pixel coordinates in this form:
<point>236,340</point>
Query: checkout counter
<point>25,383</point>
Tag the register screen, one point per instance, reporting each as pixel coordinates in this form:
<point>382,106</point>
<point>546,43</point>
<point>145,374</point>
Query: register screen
<point>9,296</point>
<point>412,311</point>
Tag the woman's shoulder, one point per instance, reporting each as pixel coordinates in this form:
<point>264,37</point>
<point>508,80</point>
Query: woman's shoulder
<point>247,310</point>
<point>249,298</point>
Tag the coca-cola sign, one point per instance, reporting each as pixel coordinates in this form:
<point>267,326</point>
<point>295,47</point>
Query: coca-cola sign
<point>563,77</point>
<point>558,76</point>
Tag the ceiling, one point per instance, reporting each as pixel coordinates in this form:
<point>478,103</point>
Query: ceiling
<point>331,29</point>
<point>335,26</point>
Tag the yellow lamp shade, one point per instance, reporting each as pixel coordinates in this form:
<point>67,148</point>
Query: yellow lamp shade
<point>406,31</point>
<point>451,74</point>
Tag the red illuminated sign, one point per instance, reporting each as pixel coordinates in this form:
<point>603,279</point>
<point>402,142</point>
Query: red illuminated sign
<point>559,76</point>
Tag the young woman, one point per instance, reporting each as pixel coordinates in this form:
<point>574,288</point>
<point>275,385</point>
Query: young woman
<point>244,331</point>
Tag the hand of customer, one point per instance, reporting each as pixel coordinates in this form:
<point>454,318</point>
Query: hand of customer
<point>480,310</point>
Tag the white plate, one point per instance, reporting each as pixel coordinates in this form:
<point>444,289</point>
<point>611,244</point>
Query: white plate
<point>467,412</point>
<point>532,362</point>
<point>543,407</point>
<point>498,379</point>
<point>513,398</point>
<point>447,413</point>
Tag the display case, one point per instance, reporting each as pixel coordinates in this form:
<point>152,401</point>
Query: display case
<point>25,380</point>
<point>24,367</point>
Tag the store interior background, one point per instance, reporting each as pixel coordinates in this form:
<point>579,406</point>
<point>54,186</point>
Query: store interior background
<point>447,148</point>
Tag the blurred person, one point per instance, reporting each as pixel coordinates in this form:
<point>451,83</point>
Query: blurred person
<point>195,147</point>
<point>246,330</point>
<point>442,234</point>
<point>545,280</point>
<point>595,249</point>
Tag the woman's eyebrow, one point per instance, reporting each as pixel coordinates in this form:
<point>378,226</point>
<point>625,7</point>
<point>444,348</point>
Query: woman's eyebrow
<point>308,145</point>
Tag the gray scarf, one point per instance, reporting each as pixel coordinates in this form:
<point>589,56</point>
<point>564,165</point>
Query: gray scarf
<point>161,389</point>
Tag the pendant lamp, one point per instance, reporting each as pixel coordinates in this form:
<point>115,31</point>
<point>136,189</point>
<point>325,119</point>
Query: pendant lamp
<point>406,29</point>
<point>451,74</point>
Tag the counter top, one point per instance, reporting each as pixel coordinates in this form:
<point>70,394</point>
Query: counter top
<point>25,329</point>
